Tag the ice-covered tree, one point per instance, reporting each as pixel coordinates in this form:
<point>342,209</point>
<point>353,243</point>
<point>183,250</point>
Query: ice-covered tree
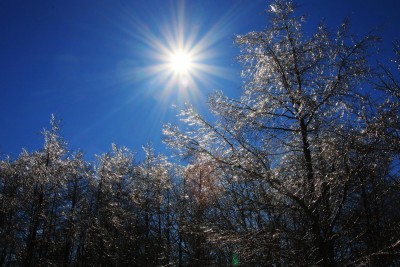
<point>302,132</point>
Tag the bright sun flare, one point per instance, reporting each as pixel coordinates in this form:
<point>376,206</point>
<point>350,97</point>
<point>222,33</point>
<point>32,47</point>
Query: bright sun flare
<point>180,62</point>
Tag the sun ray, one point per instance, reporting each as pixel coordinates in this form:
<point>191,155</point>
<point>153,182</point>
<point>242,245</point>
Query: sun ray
<point>179,56</point>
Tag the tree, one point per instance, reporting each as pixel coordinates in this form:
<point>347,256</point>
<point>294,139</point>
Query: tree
<point>301,132</point>
<point>33,203</point>
<point>110,231</point>
<point>9,221</point>
<point>153,195</point>
<point>200,192</point>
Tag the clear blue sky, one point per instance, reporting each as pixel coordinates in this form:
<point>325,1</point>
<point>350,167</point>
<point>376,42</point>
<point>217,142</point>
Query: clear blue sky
<point>97,65</point>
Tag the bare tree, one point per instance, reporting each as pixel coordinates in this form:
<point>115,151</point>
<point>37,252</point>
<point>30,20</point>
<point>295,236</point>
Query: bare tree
<point>301,131</point>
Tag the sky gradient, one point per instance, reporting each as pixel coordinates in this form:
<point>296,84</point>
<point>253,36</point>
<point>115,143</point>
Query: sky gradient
<point>100,66</point>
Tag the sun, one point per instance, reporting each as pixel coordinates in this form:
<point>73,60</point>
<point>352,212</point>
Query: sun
<point>181,62</point>
<point>176,56</point>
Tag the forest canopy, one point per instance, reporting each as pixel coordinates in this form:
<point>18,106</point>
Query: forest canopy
<point>301,170</point>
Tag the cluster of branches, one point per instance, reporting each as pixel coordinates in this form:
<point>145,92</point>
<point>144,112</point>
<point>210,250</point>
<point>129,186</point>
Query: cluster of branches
<point>301,170</point>
<point>306,161</point>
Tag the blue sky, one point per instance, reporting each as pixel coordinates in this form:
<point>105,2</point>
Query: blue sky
<point>100,66</point>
